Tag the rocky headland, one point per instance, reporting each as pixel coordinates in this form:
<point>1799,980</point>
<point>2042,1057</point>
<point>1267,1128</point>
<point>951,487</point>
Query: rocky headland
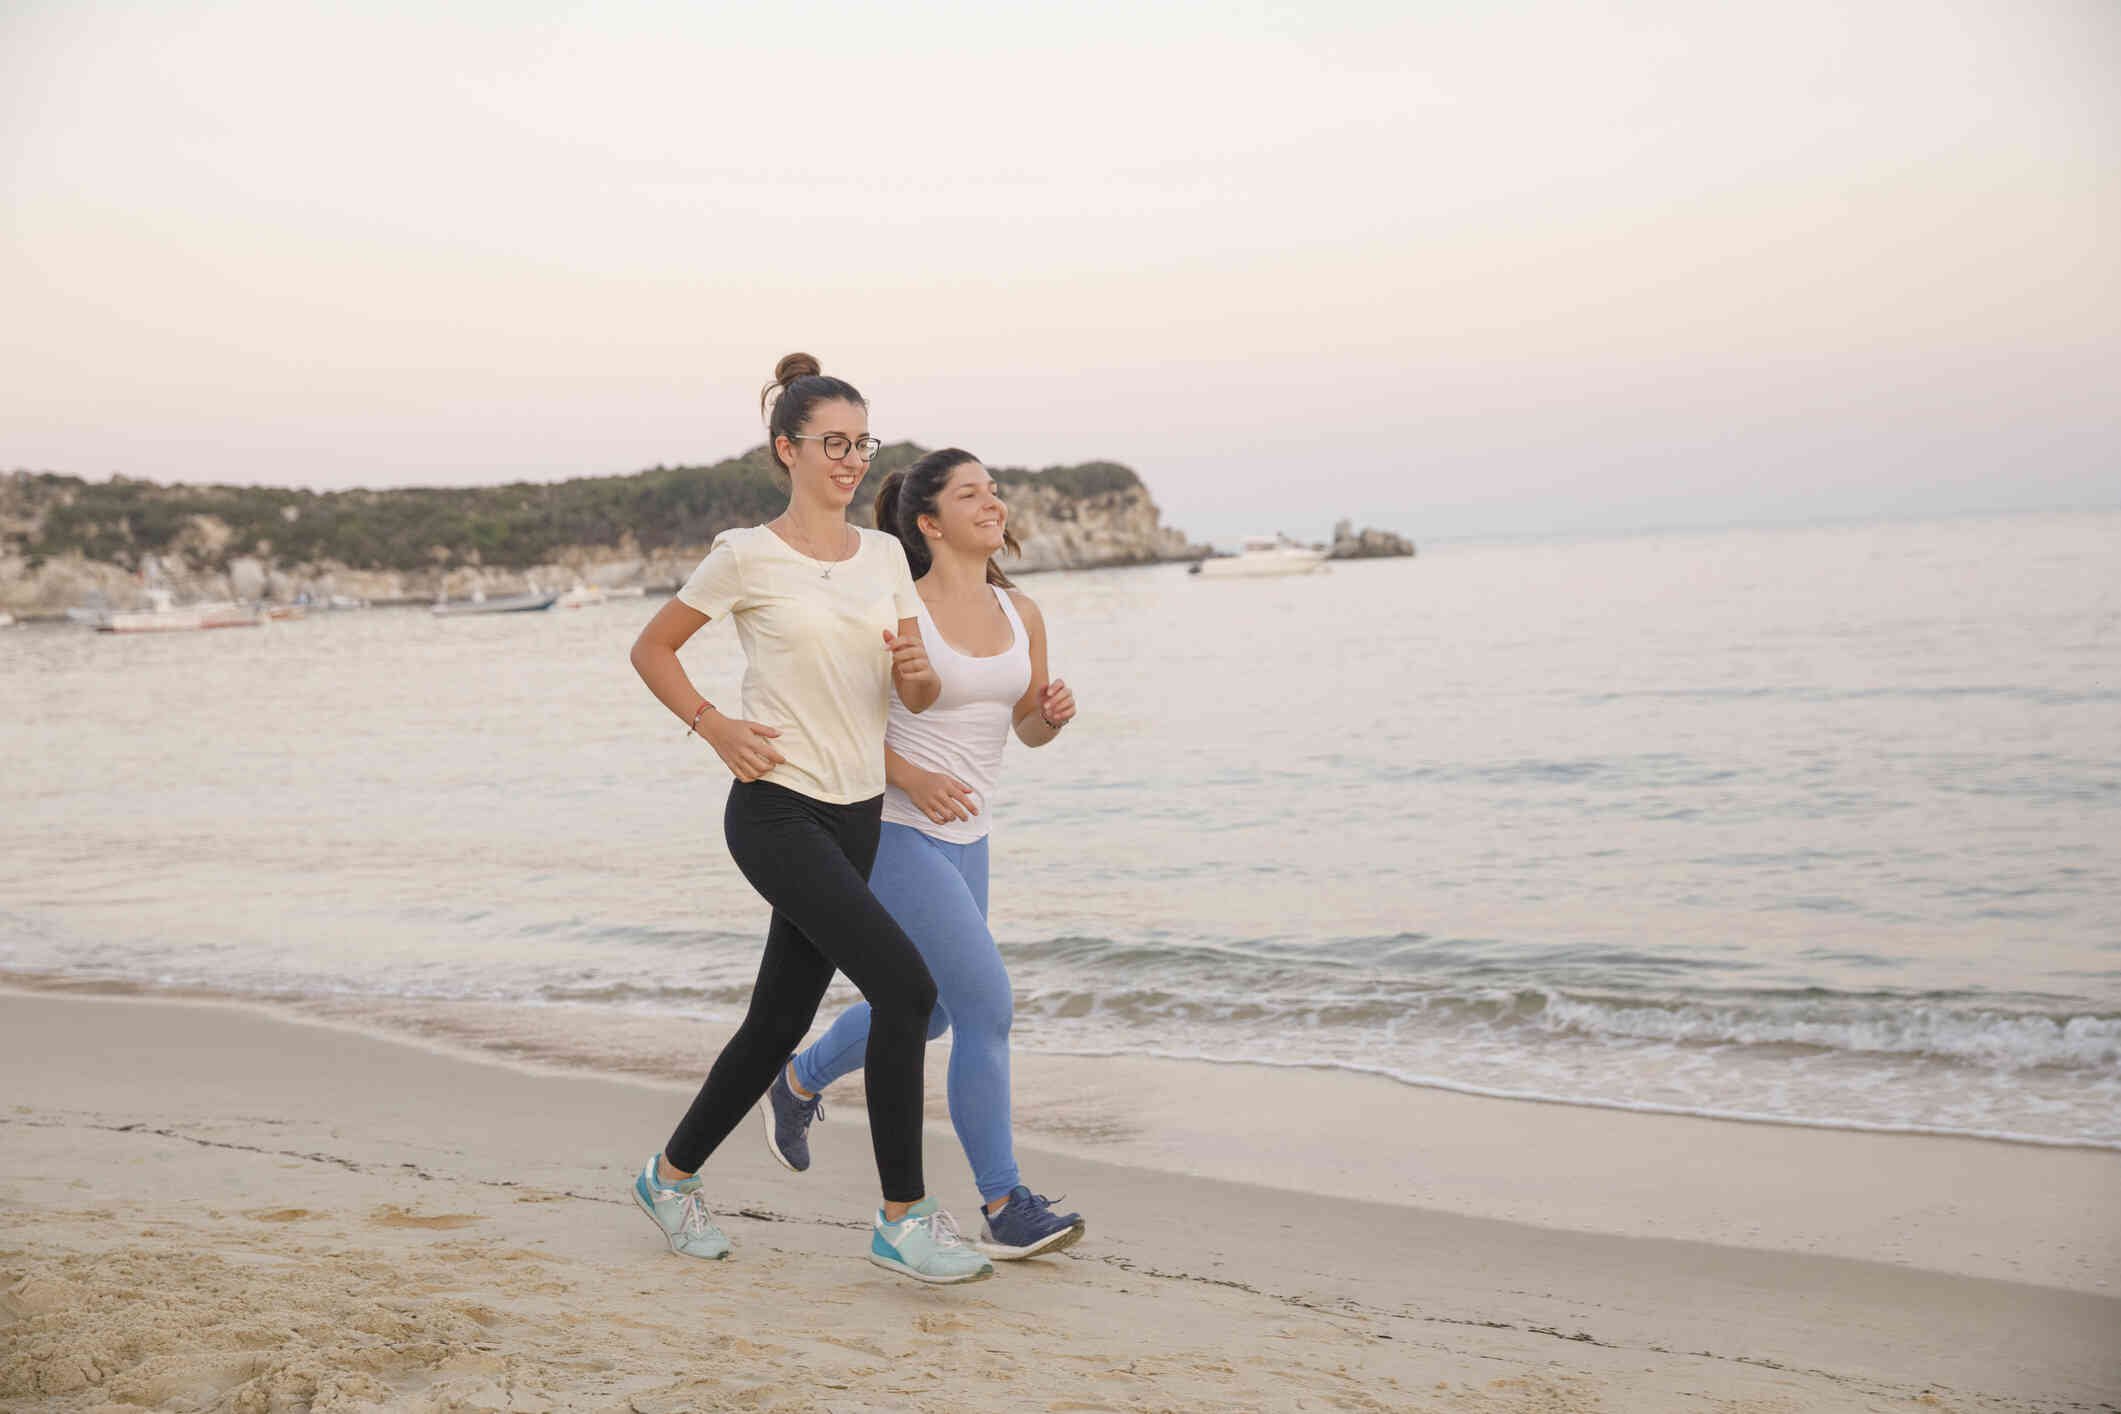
<point>1367,544</point>
<point>65,541</point>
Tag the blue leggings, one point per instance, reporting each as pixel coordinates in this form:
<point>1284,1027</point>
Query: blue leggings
<point>937,892</point>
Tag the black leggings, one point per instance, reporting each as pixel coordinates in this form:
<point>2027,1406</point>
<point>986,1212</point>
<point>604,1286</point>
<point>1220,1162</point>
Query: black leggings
<point>811,861</point>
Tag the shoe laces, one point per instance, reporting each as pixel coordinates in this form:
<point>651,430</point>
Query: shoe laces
<point>1039,1201</point>
<point>943,1228</point>
<point>696,1220</point>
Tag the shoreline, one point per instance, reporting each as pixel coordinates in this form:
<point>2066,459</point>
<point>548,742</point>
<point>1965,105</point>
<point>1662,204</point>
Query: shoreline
<point>1888,1197</point>
<point>1529,1097</point>
<point>208,1206</point>
<point>298,1005</point>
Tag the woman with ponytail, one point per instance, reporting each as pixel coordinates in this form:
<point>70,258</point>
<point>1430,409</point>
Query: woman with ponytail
<point>829,622</point>
<point>987,643</point>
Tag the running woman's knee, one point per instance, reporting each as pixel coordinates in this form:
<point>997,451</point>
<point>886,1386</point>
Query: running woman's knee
<point>985,1015</point>
<point>924,1000</point>
<point>983,1002</point>
<point>910,1004</point>
<point>938,1021</point>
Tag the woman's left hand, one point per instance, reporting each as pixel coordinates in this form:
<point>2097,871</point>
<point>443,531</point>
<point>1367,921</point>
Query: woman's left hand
<point>1057,704</point>
<point>909,662</point>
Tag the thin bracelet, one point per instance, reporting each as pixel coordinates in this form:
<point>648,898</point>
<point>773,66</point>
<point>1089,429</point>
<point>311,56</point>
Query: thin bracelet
<point>701,711</point>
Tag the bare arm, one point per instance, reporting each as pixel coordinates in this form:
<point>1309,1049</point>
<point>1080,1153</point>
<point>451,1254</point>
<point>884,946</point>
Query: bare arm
<point>939,796</point>
<point>1047,705</point>
<point>745,747</point>
<point>911,673</point>
<point>900,772</point>
<point>655,656</point>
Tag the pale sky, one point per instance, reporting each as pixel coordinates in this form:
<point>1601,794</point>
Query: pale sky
<point>1517,266</point>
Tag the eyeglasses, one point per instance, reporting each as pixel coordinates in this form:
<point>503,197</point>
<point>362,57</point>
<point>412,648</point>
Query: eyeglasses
<point>837,444</point>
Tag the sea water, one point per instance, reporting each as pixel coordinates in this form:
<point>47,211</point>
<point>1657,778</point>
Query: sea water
<point>1813,825</point>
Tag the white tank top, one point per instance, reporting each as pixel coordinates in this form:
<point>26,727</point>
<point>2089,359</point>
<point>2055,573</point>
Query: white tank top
<point>963,732</point>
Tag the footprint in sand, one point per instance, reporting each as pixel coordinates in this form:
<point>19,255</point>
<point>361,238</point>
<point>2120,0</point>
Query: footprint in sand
<point>279,1215</point>
<point>390,1215</point>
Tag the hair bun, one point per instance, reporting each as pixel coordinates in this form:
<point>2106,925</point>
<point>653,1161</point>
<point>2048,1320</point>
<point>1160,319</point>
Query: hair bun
<point>794,366</point>
<point>791,367</point>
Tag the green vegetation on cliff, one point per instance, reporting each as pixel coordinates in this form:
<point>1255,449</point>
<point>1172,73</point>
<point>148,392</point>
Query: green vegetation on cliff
<point>44,516</point>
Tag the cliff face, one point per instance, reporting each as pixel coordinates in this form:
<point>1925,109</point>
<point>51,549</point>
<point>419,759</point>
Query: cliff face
<point>1368,544</point>
<point>172,537</point>
<point>1062,532</point>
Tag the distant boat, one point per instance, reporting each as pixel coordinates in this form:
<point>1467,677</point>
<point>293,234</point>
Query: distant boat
<point>306,601</point>
<point>529,603</point>
<point>1263,555</point>
<point>7,620</point>
<point>579,597</point>
<point>165,616</point>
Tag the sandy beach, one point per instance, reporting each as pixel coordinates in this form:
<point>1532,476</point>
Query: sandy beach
<point>211,1207</point>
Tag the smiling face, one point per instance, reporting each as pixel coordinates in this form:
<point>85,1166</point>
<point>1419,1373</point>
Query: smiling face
<point>815,476</point>
<point>969,514</point>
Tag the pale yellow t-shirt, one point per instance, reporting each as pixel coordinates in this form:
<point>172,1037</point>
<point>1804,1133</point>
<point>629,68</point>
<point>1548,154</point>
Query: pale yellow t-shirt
<point>815,665</point>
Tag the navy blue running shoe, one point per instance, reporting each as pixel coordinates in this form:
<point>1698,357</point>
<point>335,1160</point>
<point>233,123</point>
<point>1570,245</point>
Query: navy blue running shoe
<point>1027,1226</point>
<point>788,1116</point>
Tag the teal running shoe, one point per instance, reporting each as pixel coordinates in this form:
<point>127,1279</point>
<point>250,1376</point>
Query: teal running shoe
<point>678,1211</point>
<point>926,1245</point>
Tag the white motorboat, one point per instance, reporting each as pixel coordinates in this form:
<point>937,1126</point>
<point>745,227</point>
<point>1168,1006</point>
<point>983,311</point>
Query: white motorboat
<point>165,616</point>
<point>580,597</point>
<point>1263,555</point>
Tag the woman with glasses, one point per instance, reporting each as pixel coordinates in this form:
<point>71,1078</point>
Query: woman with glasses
<point>828,618</point>
<point>987,644</point>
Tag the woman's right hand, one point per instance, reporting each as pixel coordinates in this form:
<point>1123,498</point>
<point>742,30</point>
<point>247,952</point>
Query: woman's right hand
<point>746,748</point>
<point>942,798</point>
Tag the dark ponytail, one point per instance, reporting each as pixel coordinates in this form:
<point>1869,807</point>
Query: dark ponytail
<point>908,495</point>
<point>798,385</point>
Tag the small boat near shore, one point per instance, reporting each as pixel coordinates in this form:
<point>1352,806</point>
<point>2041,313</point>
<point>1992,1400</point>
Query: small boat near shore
<point>528,603</point>
<point>163,615</point>
<point>1263,556</point>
